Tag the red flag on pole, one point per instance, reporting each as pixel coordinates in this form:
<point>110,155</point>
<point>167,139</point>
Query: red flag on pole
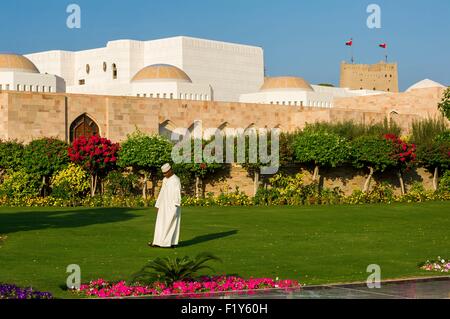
<point>349,43</point>
<point>383,45</point>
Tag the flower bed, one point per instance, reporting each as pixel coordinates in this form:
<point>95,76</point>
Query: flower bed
<point>438,265</point>
<point>13,292</point>
<point>203,287</point>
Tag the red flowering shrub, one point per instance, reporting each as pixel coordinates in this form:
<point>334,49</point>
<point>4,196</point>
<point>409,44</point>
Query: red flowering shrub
<point>96,155</point>
<point>404,153</point>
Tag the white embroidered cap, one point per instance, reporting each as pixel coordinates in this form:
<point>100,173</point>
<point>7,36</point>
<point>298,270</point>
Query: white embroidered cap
<point>165,168</point>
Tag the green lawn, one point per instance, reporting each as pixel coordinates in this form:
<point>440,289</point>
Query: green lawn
<point>315,245</point>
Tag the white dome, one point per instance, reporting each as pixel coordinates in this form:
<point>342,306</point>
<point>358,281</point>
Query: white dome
<point>425,84</point>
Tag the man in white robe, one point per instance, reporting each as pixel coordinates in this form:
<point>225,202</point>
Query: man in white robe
<point>167,230</point>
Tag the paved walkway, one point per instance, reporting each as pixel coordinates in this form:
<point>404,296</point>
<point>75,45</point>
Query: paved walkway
<point>426,288</point>
<point>432,288</point>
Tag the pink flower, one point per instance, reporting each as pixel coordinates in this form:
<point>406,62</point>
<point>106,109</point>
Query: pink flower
<point>203,287</point>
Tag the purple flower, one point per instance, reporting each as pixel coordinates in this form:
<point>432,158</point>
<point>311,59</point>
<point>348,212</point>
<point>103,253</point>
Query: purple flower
<point>8,291</point>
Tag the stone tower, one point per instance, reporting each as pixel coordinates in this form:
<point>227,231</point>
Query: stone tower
<point>378,77</point>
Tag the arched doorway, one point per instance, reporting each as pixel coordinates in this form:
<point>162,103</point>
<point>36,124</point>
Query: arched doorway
<point>83,126</point>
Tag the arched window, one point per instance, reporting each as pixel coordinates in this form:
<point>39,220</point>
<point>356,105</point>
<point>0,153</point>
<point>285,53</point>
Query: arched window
<point>114,71</point>
<point>83,126</point>
<point>393,116</point>
<point>167,129</point>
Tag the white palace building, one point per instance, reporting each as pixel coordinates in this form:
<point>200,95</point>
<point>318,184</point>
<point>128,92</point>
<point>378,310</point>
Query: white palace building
<point>173,68</point>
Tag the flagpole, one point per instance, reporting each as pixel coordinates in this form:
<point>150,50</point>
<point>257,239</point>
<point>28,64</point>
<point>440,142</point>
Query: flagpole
<point>350,44</point>
<point>352,59</point>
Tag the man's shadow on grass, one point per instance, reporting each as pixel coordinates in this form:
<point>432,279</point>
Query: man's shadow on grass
<point>38,219</point>
<point>205,238</point>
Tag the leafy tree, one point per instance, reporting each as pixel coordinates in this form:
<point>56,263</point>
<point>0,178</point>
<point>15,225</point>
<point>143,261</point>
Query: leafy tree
<point>444,183</point>
<point>444,105</point>
<point>251,156</point>
<point>44,157</point>
<point>287,151</point>
<point>373,153</point>
<point>435,156</point>
<point>96,155</point>
<point>11,156</point>
<point>199,167</point>
<point>120,183</point>
<point>145,154</point>
<point>321,149</point>
<point>404,156</point>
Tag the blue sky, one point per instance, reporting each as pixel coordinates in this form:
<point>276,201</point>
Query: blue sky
<point>300,37</point>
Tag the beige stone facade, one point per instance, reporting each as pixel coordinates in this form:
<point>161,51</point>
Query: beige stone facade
<point>377,77</point>
<point>27,116</point>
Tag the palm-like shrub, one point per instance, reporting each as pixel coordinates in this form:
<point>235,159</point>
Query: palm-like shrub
<point>170,270</point>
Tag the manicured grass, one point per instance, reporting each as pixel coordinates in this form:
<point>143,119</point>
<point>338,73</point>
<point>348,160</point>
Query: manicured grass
<point>315,245</point>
